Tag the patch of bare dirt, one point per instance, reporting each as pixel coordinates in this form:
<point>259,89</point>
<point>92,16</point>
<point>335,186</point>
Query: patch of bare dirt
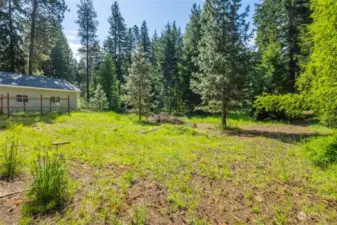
<point>153,196</point>
<point>11,199</point>
<point>227,203</point>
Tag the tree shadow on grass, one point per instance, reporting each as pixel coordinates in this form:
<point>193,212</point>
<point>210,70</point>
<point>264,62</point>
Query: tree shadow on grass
<point>27,120</point>
<point>147,123</point>
<point>286,137</point>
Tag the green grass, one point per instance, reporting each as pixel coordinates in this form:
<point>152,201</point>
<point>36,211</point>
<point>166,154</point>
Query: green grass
<point>50,188</point>
<point>124,175</point>
<point>11,157</point>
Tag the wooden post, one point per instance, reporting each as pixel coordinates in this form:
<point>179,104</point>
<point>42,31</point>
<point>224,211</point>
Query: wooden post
<point>8,111</point>
<point>24,105</point>
<point>41,104</point>
<point>68,104</point>
<point>1,104</point>
<point>50,105</point>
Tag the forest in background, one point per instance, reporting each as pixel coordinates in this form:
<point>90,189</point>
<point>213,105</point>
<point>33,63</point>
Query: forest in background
<point>211,65</point>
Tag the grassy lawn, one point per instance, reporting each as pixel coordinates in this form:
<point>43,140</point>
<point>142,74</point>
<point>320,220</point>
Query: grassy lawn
<point>126,172</point>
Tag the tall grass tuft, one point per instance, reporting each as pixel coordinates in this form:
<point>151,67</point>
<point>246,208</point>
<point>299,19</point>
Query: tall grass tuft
<point>139,216</point>
<point>12,159</point>
<point>50,189</point>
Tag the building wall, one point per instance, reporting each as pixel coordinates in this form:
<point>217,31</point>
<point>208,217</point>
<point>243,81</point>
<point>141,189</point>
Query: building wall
<point>34,98</point>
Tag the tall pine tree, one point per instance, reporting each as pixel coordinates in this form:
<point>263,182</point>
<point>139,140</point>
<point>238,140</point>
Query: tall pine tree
<point>87,32</point>
<point>45,16</point>
<point>138,84</point>
<point>108,80</point>
<point>222,53</point>
<point>191,53</point>
<point>116,43</point>
<point>12,57</point>
<point>145,43</point>
<point>279,25</point>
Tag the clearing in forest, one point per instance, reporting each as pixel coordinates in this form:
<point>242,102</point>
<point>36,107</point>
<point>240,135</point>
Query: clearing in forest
<point>127,172</point>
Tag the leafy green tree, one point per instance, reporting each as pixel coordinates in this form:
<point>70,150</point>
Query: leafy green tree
<point>116,43</point>
<point>317,83</point>
<point>99,101</point>
<point>138,84</point>
<point>87,32</point>
<point>12,57</point>
<point>222,53</point>
<point>108,81</point>
<point>145,43</point>
<point>45,17</point>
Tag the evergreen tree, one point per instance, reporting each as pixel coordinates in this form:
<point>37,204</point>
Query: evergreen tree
<point>12,57</point>
<point>117,40</point>
<point>156,75</point>
<point>45,15</point>
<point>99,101</point>
<point>130,45</point>
<point>279,25</point>
<point>61,63</point>
<point>87,32</point>
<point>154,49</point>
<point>136,35</point>
<point>222,53</point>
<point>138,84</point>
<point>145,43</point>
<point>108,81</point>
<point>191,53</point>
<point>169,57</point>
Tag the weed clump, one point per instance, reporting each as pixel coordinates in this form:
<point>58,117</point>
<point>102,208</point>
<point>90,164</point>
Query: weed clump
<point>12,160</point>
<point>50,189</point>
<point>139,216</point>
<point>322,151</point>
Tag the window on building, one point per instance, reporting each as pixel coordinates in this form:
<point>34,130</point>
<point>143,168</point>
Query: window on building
<point>22,98</point>
<point>54,99</point>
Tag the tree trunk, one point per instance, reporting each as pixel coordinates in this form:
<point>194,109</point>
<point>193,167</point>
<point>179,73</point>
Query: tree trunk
<point>88,92</point>
<point>11,45</point>
<point>140,103</point>
<point>292,49</point>
<point>32,37</point>
<point>224,109</point>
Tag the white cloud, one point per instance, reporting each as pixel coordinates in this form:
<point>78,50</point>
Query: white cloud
<point>74,42</point>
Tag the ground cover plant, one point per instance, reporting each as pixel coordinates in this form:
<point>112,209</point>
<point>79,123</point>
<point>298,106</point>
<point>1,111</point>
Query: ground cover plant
<point>126,172</point>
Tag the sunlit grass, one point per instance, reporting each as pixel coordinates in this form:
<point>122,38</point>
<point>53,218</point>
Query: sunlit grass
<point>109,154</point>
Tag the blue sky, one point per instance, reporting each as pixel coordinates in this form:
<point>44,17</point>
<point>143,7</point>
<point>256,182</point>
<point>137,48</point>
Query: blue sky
<point>156,13</point>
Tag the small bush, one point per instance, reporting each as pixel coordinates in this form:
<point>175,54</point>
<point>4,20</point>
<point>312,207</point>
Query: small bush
<point>322,151</point>
<point>50,188</point>
<point>12,159</point>
<point>279,107</point>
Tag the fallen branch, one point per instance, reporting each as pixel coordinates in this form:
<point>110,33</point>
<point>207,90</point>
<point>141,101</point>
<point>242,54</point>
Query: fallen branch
<point>13,193</point>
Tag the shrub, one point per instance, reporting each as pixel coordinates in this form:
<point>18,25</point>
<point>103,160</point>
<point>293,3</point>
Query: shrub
<point>50,188</point>
<point>12,159</point>
<point>289,106</point>
<point>322,151</point>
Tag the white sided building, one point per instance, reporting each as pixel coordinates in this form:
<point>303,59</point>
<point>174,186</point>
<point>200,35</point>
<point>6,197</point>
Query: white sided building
<point>25,93</point>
